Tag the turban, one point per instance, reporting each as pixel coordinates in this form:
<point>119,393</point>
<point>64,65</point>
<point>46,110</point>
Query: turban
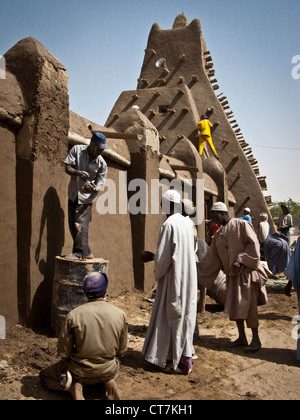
<point>264,217</point>
<point>188,206</point>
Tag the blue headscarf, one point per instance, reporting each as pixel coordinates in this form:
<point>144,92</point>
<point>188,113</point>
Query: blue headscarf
<point>95,284</point>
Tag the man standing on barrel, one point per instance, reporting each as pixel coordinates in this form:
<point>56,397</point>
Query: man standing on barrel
<point>88,171</point>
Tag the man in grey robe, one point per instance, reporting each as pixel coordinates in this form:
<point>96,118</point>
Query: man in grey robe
<point>172,325</point>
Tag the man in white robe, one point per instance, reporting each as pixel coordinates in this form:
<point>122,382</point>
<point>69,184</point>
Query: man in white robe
<point>172,324</point>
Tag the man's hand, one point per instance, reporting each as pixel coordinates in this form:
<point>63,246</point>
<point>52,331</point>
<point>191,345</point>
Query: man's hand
<point>72,171</point>
<point>89,187</point>
<point>237,267</point>
<point>83,175</point>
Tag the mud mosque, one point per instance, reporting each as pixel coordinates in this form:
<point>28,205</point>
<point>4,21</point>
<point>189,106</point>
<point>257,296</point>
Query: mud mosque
<point>151,133</point>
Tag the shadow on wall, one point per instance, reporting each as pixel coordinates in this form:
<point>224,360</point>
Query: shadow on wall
<point>53,219</point>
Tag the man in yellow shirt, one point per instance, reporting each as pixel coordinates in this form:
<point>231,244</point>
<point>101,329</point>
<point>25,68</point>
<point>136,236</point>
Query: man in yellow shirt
<point>204,126</point>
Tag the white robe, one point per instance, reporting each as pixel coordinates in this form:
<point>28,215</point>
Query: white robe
<point>172,324</point>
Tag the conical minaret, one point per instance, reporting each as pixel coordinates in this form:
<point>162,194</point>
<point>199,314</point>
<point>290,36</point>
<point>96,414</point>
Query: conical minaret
<point>176,86</point>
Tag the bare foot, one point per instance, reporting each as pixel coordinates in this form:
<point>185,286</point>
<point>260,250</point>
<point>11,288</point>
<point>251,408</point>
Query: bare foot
<point>112,392</point>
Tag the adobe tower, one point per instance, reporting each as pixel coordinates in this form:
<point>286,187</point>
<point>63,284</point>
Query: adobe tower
<point>176,86</point>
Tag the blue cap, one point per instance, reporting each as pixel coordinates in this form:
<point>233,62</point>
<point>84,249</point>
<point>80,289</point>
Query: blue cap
<point>95,283</point>
<point>100,140</point>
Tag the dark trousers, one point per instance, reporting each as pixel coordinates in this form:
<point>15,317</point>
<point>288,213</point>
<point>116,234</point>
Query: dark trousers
<point>79,219</point>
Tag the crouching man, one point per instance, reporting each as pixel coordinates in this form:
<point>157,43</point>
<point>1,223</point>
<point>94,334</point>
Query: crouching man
<point>92,337</point>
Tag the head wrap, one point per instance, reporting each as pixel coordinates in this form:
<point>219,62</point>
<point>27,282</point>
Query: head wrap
<point>95,283</point>
<point>188,206</point>
<point>100,140</point>
<point>264,217</point>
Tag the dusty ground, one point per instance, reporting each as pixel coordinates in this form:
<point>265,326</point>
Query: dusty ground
<point>219,373</point>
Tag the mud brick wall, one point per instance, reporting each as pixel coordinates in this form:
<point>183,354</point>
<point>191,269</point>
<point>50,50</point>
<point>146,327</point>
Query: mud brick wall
<point>11,118</point>
<point>41,145</point>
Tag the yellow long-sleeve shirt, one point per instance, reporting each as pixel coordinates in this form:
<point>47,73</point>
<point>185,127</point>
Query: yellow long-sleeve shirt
<point>204,127</point>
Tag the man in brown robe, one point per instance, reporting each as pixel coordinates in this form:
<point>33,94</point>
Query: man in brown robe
<point>92,337</point>
<point>235,250</point>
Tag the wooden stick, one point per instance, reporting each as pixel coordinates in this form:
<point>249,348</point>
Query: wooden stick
<point>150,294</point>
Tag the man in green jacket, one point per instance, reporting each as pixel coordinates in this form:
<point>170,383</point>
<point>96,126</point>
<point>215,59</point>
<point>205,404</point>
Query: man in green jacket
<point>91,338</point>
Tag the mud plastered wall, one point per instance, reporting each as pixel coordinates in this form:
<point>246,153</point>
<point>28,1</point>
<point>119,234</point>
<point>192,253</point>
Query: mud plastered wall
<point>37,176</point>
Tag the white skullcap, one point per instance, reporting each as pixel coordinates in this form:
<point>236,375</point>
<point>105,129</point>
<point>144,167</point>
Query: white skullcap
<point>219,207</point>
<point>173,196</point>
<point>247,209</point>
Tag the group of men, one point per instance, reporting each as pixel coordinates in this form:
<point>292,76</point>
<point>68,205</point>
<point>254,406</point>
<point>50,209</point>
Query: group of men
<point>94,335</point>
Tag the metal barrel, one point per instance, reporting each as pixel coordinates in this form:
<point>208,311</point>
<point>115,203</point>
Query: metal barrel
<point>218,290</point>
<point>67,287</point>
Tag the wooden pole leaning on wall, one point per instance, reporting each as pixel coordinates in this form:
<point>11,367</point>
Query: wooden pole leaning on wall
<point>184,168</point>
<point>124,136</point>
<point>117,135</point>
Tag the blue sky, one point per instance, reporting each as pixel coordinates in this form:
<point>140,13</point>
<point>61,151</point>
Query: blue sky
<point>252,43</point>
